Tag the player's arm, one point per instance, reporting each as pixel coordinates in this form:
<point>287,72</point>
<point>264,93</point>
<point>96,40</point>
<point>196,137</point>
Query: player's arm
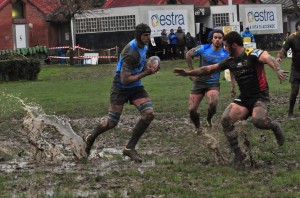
<point>189,59</point>
<point>282,52</point>
<point>129,64</point>
<point>265,57</point>
<point>202,71</point>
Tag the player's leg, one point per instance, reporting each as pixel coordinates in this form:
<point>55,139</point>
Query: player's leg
<point>144,105</point>
<point>105,124</point>
<point>194,101</point>
<point>293,97</point>
<point>261,120</point>
<point>213,96</point>
<point>231,115</point>
<point>117,100</point>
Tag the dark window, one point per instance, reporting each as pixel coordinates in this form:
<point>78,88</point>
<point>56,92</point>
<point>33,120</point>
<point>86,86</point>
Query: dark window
<point>18,10</point>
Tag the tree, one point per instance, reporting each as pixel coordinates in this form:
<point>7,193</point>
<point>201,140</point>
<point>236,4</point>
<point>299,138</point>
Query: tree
<point>62,11</point>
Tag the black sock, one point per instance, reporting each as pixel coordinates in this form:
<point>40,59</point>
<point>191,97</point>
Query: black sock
<point>137,133</point>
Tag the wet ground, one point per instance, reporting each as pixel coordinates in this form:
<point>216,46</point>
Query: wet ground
<point>31,172</point>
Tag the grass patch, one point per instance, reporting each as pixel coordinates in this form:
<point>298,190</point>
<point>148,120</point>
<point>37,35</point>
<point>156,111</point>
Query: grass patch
<point>181,164</point>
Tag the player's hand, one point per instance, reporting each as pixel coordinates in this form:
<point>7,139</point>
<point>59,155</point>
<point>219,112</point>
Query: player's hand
<point>278,59</point>
<point>180,72</point>
<point>282,75</point>
<point>151,68</point>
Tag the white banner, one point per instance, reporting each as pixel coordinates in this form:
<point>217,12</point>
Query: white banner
<point>167,19</point>
<point>264,18</point>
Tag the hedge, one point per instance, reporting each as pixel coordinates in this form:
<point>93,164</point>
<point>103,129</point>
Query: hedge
<point>19,69</point>
<point>27,51</point>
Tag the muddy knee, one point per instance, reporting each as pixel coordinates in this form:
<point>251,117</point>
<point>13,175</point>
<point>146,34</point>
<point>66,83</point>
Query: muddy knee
<point>147,116</point>
<point>226,124</point>
<point>146,110</point>
<point>111,121</point>
<point>262,123</point>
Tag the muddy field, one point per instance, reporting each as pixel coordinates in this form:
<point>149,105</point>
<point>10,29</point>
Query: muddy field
<point>30,172</point>
<point>169,147</point>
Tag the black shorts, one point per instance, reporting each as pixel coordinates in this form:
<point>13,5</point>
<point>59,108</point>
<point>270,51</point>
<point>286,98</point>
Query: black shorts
<point>251,101</point>
<point>202,88</point>
<point>122,96</point>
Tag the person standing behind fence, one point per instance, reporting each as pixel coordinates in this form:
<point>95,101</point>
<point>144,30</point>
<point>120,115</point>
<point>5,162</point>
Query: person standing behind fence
<point>127,87</point>
<point>248,36</point>
<point>173,44</point>
<point>293,42</point>
<point>165,44</point>
<point>190,41</point>
<point>181,42</point>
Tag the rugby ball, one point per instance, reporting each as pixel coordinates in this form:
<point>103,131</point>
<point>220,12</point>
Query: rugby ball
<point>154,60</point>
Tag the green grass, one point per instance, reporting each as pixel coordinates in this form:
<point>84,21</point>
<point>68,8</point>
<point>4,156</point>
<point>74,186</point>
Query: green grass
<point>183,166</point>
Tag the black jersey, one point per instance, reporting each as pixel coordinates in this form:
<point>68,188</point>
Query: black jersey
<point>248,71</point>
<point>293,42</point>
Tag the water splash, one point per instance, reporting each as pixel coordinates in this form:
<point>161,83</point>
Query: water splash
<point>35,125</point>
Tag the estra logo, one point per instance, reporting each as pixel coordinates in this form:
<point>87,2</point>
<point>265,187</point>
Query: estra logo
<point>167,19</point>
<point>261,16</point>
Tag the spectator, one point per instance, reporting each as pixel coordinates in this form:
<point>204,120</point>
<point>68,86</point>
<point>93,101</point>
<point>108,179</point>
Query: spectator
<point>165,44</point>
<point>190,41</point>
<point>173,44</point>
<point>181,42</point>
<point>248,36</point>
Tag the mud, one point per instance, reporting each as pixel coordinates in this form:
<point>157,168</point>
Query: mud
<point>53,157</point>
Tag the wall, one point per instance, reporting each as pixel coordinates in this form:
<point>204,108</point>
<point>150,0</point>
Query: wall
<point>6,29</point>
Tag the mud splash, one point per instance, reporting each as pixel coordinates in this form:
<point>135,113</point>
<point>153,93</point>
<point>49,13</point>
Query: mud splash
<point>37,126</point>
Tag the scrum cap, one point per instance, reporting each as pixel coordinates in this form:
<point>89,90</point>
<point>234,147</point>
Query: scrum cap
<point>141,29</point>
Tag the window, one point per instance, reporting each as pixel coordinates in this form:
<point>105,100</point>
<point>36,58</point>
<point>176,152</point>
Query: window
<point>18,10</point>
<point>105,24</point>
<point>221,19</point>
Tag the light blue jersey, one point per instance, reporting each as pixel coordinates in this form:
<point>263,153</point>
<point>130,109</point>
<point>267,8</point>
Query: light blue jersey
<point>132,59</point>
<point>209,57</point>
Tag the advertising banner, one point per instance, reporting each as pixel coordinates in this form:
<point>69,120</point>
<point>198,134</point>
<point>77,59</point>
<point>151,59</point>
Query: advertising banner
<point>167,19</point>
<point>261,18</point>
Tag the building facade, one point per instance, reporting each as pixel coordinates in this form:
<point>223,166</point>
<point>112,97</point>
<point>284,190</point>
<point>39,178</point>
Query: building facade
<point>24,24</point>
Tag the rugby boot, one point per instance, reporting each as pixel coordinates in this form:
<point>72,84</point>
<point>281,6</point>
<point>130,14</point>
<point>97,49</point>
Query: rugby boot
<point>238,159</point>
<point>132,154</point>
<point>89,140</point>
<point>208,123</point>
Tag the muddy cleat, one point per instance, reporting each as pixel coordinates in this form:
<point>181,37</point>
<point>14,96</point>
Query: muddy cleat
<point>208,123</point>
<point>89,141</point>
<point>290,115</point>
<point>238,159</point>
<point>134,156</point>
<point>278,134</point>
<point>197,131</point>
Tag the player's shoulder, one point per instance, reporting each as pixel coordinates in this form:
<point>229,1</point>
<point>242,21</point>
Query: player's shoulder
<point>206,46</point>
<point>253,52</point>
